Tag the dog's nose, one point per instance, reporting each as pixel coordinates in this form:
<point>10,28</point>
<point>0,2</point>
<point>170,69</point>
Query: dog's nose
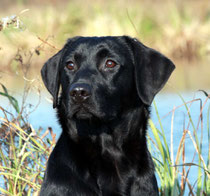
<point>80,92</point>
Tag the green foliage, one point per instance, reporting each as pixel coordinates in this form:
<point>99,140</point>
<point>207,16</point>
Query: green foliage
<point>23,152</point>
<point>149,27</point>
<point>11,99</point>
<point>173,171</point>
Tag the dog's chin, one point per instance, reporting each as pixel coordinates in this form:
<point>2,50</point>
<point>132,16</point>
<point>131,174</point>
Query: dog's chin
<point>83,115</point>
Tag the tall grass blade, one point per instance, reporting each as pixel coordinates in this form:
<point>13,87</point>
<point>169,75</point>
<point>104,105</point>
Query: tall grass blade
<point>5,192</point>
<point>11,99</point>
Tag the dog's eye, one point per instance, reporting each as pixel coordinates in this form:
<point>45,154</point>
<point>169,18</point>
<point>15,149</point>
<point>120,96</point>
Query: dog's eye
<point>110,64</point>
<point>70,65</point>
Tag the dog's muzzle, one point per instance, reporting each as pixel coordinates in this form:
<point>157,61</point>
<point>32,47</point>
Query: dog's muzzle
<point>80,92</point>
<point>79,95</point>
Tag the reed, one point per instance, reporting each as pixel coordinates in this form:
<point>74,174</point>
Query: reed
<point>172,169</point>
<point>23,151</point>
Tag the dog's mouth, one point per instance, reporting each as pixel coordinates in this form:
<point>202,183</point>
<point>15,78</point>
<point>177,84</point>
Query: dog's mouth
<point>89,112</point>
<point>83,113</point>
<point>89,120</point>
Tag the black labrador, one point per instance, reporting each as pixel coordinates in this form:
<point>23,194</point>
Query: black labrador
<point>106,87</point>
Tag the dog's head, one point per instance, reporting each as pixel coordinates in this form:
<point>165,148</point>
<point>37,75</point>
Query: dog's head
<point>101,77</point>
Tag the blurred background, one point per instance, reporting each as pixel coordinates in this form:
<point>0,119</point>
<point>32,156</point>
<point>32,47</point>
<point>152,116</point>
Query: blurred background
<point>33,30</point>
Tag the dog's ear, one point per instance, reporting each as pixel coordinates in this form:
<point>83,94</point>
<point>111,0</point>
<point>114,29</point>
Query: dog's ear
<point>50,72</point>
<point>50,76</point>
<point>152,70</point>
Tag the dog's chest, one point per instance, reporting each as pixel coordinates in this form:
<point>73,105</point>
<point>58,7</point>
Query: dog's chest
<point>107,168</point>
<point>111,177</point>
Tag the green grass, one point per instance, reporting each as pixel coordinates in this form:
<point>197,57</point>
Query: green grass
<point>171,168</point>
<point>23,153</point>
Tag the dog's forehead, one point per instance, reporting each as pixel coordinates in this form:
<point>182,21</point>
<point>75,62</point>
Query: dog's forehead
<point>94,44</point>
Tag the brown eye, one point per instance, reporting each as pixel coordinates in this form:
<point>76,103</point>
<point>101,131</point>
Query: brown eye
<point>110,64</point>
<point>70,65</point>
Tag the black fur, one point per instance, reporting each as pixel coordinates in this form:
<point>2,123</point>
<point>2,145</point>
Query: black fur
<point>102,150</point>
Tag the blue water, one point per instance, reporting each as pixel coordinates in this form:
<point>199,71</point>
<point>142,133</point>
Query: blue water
<point>45,116</point>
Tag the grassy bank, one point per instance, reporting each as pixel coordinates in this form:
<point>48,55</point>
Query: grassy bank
<point>179,29</point>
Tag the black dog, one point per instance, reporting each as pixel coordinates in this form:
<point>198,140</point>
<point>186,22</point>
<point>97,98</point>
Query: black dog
<point>107,85</point>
